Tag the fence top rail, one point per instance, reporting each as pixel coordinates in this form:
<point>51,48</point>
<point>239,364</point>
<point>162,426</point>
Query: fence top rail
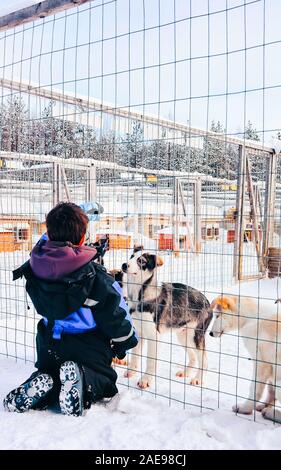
<point>89,103</point>
<point>37,11</point>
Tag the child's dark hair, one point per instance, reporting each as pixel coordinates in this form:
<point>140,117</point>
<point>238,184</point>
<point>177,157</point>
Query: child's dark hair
<point>66,222</point>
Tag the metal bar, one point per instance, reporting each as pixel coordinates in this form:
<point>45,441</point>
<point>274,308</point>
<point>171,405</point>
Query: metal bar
<point>239,222</point>
<point>36,12</point>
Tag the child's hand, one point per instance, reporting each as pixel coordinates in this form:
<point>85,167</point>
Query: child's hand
<point>120,349</point>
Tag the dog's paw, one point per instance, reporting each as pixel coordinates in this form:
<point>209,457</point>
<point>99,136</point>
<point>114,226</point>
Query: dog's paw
<point>243,408</point>
<point>269,412</point>
<point>119,362</point>
<point>145,382</point>
<point>260,406</point>
<point>181,373</point>
<point>196,381</point>
<point>130,373</point>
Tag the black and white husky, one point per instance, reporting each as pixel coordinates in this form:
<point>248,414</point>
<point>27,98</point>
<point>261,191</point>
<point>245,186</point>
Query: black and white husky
<point>157,307</point>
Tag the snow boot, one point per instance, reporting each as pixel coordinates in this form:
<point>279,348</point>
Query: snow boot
<point>71,394</point>
<point>28,395</point>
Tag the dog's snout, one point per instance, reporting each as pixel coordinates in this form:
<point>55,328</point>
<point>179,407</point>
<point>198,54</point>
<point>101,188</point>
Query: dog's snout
<point>211,333</point>
<point>124,267</point>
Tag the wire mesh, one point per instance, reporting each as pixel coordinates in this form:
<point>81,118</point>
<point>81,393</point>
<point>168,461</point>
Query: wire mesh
<point>164,112</point>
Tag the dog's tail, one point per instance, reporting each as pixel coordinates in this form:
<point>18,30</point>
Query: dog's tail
<point>201,328</point>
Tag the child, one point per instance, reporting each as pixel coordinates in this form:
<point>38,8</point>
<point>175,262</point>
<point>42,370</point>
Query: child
<point>85,320</point>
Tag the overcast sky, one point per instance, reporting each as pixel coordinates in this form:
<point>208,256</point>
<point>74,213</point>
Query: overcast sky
<point>161,57</point>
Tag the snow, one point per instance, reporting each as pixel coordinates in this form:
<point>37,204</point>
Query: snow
<point>148,205</point>
<point>172,414</point>
<point>149,424</point>
<point>19,206</point>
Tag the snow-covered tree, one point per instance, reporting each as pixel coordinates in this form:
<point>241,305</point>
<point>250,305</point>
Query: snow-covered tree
<point>250,132</point>
<point>14,123</point>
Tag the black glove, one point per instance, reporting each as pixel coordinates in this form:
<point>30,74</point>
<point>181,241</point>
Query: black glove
<point>101,247</point>
<point>120,349</point>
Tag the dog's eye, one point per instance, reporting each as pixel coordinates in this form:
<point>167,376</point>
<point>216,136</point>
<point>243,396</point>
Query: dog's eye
<point>141,262</point>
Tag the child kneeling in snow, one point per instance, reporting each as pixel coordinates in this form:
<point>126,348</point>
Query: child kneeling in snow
<point>85,320</point>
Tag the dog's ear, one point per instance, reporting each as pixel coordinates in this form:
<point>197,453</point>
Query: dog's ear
<point>159,261</point>
<point>137,248</point>
<point>224,303</point>
<point>152,261</point>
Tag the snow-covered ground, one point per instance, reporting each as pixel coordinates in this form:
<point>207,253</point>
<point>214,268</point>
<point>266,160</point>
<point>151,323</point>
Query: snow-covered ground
<point>133,422</point>
<point>171,414</point>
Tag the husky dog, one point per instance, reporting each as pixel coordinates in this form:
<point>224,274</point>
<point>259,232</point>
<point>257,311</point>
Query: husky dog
<point>156,308</point>
<point>261,335</point>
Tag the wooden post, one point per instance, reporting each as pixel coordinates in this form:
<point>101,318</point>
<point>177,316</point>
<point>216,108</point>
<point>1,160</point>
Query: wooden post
<point>197,215</point>
<point>239,223</point>
<point>259,204</point>
<point>176,218</point>
<point>91,184</point>
<point>37,11</point>
<point>65,184</point>
<point>91,195</point>
<point>254,216</point>
<point>188,234</point>
<point>269,203</point>
<point>136,216</point>
<point>57,190</point>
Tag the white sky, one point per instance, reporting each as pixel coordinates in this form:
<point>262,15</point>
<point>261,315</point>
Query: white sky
<point>193,69</point>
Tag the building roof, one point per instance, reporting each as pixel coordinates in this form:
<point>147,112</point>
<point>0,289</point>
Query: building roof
<point>114,232</point>
<point>15,205</point>
<point>4,229</point>
<point>170,230</point>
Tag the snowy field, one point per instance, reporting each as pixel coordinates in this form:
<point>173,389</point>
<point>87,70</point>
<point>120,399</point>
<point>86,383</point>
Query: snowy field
<point>171,414</point>
<point>134,422</point>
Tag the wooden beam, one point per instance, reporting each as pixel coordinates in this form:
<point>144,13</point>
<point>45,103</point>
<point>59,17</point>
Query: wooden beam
<point>183,202</point>
<point>37,11</point>
<point>254,215</point>
<point>239,222</point>
<point>83,163</point>
<point>269,203</point>
<point>175,218</point>
<point>57,188</point>
<point>123,112</point>
<point>65,183</point>
<point>136,215</point>
<point>198,215</point>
